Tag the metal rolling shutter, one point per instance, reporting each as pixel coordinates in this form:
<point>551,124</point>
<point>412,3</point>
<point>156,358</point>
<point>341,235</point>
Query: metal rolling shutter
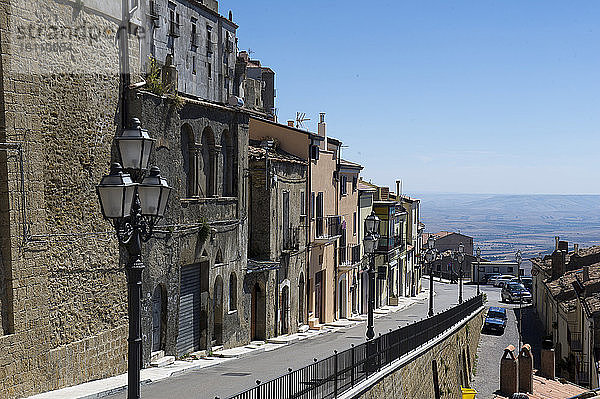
<point>188,339</point>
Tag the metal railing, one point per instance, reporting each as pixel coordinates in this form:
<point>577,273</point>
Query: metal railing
<point>574,339</point>
<point>336,374</point>
<point>328,226</point>
<point>349,255</point>
<point>291,240</point>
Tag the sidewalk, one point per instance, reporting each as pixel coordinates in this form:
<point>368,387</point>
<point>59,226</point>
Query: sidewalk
<point>113,385</point>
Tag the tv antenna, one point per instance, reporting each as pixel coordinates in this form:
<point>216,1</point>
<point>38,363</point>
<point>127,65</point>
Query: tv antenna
<point>300,119</point>
<point>250,51</point>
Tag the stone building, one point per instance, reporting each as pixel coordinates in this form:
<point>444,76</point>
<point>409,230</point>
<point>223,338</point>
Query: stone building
<point>63,291</point>
<point>565,296</point>
<point>277,240</point>
<point>414,231</point>
<point>255,84</point>
<point>201,42</point>
<point>196,298</point>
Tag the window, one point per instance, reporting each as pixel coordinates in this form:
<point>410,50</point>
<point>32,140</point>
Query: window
<point>509,269</point>
<point>314,152</point>
<point>343,185</point>
<point>495,269</point>
<point>209,49</point>
<point>232,292</point>
<point>194,37</point>
<point>190,159</point>
<point>173,21</point>
<point>354,183</point>
<point>302,204</point>
<point>354,224</point>
<point>209,70</point>
<point>312,205</point>
<point>193,65</point>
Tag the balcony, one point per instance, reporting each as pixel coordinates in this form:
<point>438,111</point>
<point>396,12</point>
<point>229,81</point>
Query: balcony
<point>328,229</point>
<point>575,343</point>
<point>387,244</point>
<point>349,256</point>
<point>291,238</point>
<point>582,373</point>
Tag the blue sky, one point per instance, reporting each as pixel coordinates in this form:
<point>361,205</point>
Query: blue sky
<point>449,96</point>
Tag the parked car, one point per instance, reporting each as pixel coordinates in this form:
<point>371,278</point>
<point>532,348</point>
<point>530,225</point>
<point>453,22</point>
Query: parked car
<point>499,281</point>
<point>489,278</point>
<point>528,283</point>
<point>513,291</point>
<point>495,320</point>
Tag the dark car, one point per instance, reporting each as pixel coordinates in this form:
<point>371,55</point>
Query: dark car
<point>513,291</point>
<point>528,283</point>
<point>495,319</point>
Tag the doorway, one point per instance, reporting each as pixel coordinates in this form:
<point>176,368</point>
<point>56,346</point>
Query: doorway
<point>258,316</point>
<point>218,309</point>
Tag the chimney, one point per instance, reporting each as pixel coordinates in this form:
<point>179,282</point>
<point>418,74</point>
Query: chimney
<point>290,123</point>
<point>558,264</point>
<point>322,127</point>
<point>563,246</point>
<point>556,239</point>
<point>586,273</point>
<point>576,249</point>
<point>547,364</point>
<point>399,188</point>
<point>508,372</point>
<point>525,363</point>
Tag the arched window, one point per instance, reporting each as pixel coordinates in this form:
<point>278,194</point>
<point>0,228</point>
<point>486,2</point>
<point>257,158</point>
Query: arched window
<point>207,167</point>
<point>228,156</point>
<point>190,159</point>
<point>232,292</point>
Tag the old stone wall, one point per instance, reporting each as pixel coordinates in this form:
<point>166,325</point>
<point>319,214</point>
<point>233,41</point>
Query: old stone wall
<point>63,288</point>
<point>179,242</point>
<point>454,359</point>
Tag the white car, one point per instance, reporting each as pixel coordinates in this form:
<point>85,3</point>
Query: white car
<point>500,280</point>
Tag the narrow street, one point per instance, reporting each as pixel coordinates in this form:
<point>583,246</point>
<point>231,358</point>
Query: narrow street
<point>491,346</point>
<point>239,374</point>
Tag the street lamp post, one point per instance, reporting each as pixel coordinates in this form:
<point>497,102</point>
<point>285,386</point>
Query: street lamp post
<point>519,259</point>
<point>460,257</point>
<point>133,206</point>
<point>430,256</point>
<point>478,267</point>
<point>370,245</point>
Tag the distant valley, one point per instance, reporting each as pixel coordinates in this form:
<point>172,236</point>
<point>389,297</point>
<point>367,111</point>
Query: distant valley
<point>501,224</point>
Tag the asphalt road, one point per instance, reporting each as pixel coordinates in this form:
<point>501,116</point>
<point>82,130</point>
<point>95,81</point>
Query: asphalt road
<point>237,375</point>
<point>491,346</point>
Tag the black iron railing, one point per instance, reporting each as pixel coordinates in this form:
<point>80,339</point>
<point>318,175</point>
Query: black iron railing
<point>291,238</point>
<point>349,255</point>
<point>328,226</point>
<point>336,374</point>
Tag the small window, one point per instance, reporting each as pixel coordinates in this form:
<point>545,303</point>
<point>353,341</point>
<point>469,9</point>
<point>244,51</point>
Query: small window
<point>354,183</point>
<point>302,204</point>
<point>509,269</point>
<point>354,224</point>
<point>495,269</point>
<point>193,65</point>
<point>232,292</point>
<point>312,205</point>
<point>314,152</point>
<point>343,184</point>
<point>209,70</point>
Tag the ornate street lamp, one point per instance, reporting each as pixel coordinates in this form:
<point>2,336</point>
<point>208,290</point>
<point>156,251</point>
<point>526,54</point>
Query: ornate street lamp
<point>430,256</point>
<point>370,246</point>
<point>460,257</point>
<point>133,208</point>
<point>519,259</point>
<point>478,267</point>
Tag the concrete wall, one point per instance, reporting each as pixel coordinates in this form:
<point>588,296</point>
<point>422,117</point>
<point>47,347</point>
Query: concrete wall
<point>454,358</point>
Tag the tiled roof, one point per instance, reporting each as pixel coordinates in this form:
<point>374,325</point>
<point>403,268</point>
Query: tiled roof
<point>351,164</point>
<point>365,187</point>
<point>258,153</point>
<point>544,388</point>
